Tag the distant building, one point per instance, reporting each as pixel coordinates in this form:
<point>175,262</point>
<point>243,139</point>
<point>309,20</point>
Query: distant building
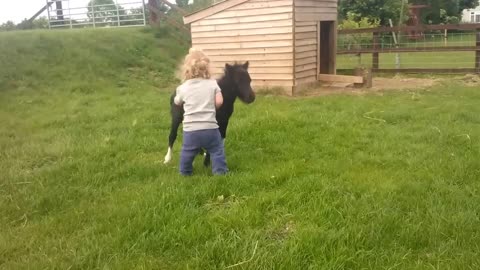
<point>471,15</point>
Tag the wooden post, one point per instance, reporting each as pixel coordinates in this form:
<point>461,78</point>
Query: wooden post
<point>335,47</point>
<point>366,74</point>
<point>477,53</point>
<point>318,48</point>
<point>375,55</point>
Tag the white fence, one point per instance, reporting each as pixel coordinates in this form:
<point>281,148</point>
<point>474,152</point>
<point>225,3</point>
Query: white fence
<point>87,13</point>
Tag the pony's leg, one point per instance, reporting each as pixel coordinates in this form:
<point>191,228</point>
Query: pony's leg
<point>206,160</point>
<point>171,141</point>
<point>168,156</point>
<point>176,121</point>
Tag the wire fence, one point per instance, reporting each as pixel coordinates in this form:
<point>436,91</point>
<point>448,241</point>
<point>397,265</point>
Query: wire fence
<point>387,41</point>
<point>429,50</point>
<point>427,60</point>
<point>78,14</point>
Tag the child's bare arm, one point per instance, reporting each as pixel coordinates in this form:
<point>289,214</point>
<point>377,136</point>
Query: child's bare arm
<point>218,100</point>
<point>178,100</point>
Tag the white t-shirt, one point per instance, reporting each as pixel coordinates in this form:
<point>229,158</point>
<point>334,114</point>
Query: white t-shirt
<point>198,99</point>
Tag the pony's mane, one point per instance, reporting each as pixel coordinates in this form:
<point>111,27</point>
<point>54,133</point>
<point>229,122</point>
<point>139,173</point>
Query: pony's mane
<point>235,67</point>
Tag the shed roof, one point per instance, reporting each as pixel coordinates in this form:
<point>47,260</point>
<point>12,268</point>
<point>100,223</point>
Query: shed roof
<point>216,8</point>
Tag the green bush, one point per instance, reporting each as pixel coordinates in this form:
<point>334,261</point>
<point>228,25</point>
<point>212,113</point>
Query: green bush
<point>353,21</point>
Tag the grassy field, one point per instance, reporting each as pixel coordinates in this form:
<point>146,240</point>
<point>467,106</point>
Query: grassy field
<point>412,60</point>
<point>379,181</point>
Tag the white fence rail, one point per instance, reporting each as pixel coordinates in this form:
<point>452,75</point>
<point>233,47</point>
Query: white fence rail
<point>85,13</point>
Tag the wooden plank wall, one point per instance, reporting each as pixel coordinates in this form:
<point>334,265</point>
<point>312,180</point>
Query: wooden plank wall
<point>315,10</point>
<point>260,31</point>
<point>305,52</point>
<point>307,15</point>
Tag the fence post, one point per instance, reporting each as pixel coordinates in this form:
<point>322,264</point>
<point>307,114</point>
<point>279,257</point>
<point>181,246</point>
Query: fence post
<point>477,52</point>
<point>445,37</point>
<point>118,13</point>
<point>375,55</point>
<point>144,15</point>
<point>93,13</point>
<point>48,13</point>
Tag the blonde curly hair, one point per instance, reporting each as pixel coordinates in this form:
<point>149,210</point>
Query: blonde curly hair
<point>196,65</point>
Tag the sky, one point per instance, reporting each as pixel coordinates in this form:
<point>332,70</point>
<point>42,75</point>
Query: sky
<point>17,10</point>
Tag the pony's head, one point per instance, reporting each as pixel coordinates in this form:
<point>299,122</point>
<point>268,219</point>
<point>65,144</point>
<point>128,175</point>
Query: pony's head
<point>237,76</point>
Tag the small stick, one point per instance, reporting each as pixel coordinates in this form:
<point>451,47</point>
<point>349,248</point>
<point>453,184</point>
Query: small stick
<point>26,220</point>
<point>372,118</point>
<point>466,135</point>
<point>22,183</point>
<point>24,217</point>
<point>244,262</point>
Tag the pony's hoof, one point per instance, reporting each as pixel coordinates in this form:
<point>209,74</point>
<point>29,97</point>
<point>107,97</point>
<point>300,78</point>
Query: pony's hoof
<point>168,156</point>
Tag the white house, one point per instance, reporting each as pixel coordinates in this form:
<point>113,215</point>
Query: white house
<point>471,15</point>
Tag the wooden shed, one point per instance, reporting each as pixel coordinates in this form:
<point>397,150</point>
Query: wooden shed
<point>288,42</point>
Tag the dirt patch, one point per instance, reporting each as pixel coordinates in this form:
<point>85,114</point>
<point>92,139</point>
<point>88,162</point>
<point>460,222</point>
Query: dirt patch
<point>403,83</point>
<point>470,79</point>
<point>380,84</point>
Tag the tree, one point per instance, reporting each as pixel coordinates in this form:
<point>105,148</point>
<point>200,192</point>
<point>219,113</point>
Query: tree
<point>7,26</point>
<point>444,11</point>
<point>40,23</point>
<point>194,5</point>
<point>133,16</point>
<point>467,4</point>
<point>182,3</point>
<point>439,11</point>
<point>104,11</point>
<point>25,24</point>
<point>155,6</point>
<point>355,40</point>
<point>382,10</point>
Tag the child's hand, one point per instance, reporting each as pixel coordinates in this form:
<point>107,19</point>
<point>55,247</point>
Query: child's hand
<point>218,100</point>
<point>178,101</point>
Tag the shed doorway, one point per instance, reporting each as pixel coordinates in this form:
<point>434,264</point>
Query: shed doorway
<point>326,47</point>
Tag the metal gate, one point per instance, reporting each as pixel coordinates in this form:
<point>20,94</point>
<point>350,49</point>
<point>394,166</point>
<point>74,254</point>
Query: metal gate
<point>95,13</point>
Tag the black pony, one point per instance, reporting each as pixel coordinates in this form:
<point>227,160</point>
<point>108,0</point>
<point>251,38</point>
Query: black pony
<point>234,83</point>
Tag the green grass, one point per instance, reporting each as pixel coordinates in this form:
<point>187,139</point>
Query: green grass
<point>386,181</point>
<point>86,60</point>
<point>411,60</point>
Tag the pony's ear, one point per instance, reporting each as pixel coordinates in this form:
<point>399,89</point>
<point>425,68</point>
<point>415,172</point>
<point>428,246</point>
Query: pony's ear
<point>228,68</point>
<point>245,66</point>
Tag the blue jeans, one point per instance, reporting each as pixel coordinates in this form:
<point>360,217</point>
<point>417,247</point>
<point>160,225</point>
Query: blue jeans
<point>208,139</point>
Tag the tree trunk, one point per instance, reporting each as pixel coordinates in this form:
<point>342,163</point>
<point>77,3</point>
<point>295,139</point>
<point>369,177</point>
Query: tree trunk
<point>153,8</point>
